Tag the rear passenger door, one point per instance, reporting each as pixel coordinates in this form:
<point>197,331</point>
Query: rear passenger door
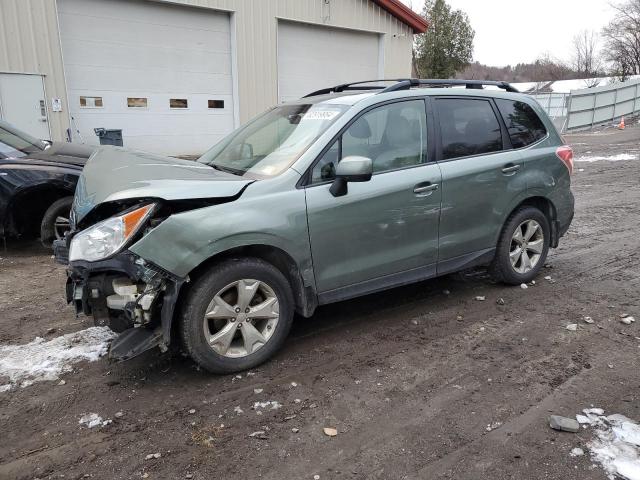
<point>481,177</point>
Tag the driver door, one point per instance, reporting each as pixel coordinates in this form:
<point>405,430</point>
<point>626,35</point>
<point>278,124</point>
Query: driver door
<point>383,232</point>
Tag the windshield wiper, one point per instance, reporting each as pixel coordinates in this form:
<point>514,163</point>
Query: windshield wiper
<point>230,170</point>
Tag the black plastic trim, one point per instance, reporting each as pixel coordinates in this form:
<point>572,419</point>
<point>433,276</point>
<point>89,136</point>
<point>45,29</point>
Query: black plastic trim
<point>407,83</point>
<point>377,284</point>
<point>473,259</point>
<point>468,260</point>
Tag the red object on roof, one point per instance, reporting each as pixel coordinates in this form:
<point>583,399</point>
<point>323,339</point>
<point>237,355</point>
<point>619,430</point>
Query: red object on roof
<point>403,13</point>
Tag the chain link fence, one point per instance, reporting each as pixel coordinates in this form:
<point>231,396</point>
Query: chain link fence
<point>555,104</point>
<point>589,107</point>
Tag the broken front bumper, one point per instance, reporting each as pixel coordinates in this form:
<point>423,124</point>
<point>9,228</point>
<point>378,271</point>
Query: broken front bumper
<point>126,293</point>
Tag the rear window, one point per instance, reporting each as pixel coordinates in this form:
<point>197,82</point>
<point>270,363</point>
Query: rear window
<point>468,127</point>
<point>524,126</point>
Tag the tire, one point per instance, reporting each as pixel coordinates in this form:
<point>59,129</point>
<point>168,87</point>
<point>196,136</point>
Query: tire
<point>49,231</point>
<point>502,269</point>
<point>220,282</point>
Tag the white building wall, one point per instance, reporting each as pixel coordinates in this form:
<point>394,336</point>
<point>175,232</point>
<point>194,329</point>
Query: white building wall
<point>30,43</point>
<point>256,39</point>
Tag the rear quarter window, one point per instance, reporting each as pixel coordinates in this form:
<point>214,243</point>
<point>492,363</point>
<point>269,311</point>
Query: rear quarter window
<point>523,124</point>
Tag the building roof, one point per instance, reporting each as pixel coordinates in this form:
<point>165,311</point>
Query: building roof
<point>403,13</point>
<point>566,86</point>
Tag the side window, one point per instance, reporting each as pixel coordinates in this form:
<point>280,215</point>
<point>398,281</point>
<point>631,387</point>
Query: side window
<point>393,136</point>
<point>467,127</point>
<point>524,126</point>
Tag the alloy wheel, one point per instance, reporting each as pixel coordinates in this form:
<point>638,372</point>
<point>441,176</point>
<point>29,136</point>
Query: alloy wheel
<point>527,244</point>
<point>241,318</point>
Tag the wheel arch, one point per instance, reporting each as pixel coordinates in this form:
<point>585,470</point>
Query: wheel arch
<point>27,207</point>
<point>546,206</point>
<point>305,296</point>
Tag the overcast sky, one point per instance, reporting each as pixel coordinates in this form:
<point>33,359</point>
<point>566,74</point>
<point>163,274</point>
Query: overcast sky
<point>513,31</point>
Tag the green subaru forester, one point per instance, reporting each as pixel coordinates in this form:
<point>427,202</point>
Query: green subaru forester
<point>351,190</point>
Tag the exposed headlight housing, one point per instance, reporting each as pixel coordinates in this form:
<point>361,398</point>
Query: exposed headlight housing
<point>107,237</point>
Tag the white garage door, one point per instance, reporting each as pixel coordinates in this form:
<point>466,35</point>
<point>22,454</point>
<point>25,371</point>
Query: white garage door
<point>161,73</point>
<point>313,57</point>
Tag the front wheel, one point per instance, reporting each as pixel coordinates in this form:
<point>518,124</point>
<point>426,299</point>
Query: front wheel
<point>237,315</point>
<point>522,248</point>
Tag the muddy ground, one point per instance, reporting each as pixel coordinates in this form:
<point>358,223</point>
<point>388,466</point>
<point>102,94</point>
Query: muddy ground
<point>410,388</point>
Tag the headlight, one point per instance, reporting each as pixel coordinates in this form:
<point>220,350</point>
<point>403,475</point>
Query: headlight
<point>107,237</point>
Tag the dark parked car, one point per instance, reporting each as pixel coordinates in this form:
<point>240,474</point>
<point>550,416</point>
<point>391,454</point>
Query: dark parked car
<point>37,182</point>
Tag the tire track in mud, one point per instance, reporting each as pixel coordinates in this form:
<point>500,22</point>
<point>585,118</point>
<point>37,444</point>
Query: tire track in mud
<point>436,336</point>
<point>445,356</point>
<point>421,410</point>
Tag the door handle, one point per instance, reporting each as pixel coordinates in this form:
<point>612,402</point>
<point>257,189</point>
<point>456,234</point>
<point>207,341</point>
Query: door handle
<point>425,189</point>
<point>511,168</point>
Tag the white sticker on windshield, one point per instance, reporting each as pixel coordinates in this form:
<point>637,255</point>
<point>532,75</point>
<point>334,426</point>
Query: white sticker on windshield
<point>320,115</point>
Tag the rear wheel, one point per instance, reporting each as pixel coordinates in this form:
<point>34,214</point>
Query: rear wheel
<point>55,222</point>
<point>522,248</point>
<point>237,315</point>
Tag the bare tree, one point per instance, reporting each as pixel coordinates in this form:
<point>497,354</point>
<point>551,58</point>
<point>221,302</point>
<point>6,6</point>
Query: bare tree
<point>586,57</point>
<point>544,70</point>
<point>591,82</point>
<point>622,37</point>
<point>547,68</point>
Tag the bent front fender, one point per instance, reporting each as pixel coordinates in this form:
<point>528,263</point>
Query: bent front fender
<point>186,240</point>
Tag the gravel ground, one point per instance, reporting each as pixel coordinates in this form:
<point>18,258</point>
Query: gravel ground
<point>419,383</point>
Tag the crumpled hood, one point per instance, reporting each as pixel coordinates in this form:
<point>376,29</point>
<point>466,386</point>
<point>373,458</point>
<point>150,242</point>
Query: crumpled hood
<point>113,174</point>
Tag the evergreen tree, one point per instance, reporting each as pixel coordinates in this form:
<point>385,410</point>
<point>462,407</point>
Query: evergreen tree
<point>447,45</point>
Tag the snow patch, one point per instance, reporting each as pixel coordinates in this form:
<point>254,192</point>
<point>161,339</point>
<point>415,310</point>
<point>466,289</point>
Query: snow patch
<point>616,445</point>
<point>273,404</point>
<point>576,452</point>
<point>611,158</point>
<point>90,420</point>
<point>43,360</point>
<point>583,419</point>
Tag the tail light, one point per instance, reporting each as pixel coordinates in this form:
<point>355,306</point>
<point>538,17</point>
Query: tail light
<point>565,153</point>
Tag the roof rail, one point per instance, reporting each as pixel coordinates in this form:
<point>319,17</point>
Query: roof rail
<point>353,86</point>
<point>407,83</point>
<point>471,84</point>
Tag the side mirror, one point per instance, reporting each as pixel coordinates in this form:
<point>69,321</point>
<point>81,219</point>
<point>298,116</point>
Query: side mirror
<point>351,169</point>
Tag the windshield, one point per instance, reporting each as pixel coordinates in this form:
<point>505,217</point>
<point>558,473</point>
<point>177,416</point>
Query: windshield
<point>15,144</point>
<point>272,142</point>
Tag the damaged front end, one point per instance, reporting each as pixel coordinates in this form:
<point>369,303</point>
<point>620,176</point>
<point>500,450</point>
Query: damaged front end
<point>122,196</point>
<point>130,296</point>
<point>118,288</point>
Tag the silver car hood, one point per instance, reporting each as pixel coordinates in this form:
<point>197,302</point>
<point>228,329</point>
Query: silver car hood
<point>113,174</point>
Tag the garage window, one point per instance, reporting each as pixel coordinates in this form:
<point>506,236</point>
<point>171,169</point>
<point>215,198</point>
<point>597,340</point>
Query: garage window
<point>136,102</point>
<point>216,103</point>
<point>178,103</point>
<point>91,102</point>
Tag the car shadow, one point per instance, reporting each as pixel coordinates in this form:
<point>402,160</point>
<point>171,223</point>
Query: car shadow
<point>27,247</point>
<point>432,293</point>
